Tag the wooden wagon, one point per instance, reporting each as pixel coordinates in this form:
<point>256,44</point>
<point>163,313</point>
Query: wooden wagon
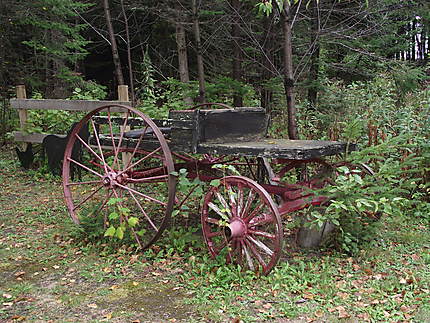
<point>129,180</point>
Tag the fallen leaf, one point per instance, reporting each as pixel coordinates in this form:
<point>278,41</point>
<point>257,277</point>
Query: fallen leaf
<point>308,296</point>
<point>135,283</point>
<point>342,313</point>
<point>19,274</point>
<point>342,295</point>
<point>18,318</point>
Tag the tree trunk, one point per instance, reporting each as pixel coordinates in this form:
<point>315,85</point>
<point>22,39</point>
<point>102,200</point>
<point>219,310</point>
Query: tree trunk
<point>130,65</point>
<point>267,64</point>
<point>237,53</point>
<point>182,54</point>
<point>200,66</point>
<point>113,45</point>
<point>288,73</point>
<point>315,56</point>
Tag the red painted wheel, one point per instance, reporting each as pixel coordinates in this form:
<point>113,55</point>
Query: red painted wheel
<point>241,222</point>
<point>126,186</point>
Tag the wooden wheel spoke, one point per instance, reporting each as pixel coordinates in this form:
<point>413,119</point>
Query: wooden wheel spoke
<point>217,210</point>
<point>239,206</point>
<point>249,200</point>
<point>260,220</point>
<point>223,202</point>
<point>121,136</point>
<point>92,151</point>
<point>161,178</point>
<point>143,212</point>
<point>127,166</point>
<point>84,167</point>
<point>231,195</point>
<point>139,161</point>
<point>111,132</point>
<point>87,198</point>
<point>257,209</point>
<point>262,234</point>
<point>256,254</point>
<point>212,220</point>
<point>260,245</point>
<point>147,197</point>
<point>248,257</point>
<point>96,135</point>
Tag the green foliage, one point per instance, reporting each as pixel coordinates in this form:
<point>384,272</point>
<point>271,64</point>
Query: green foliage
<point>60,121</point>
<point>157,101</point>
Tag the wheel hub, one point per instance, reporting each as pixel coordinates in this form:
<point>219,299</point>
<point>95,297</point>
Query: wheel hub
<point>112,179</point>
<point>237,228</point>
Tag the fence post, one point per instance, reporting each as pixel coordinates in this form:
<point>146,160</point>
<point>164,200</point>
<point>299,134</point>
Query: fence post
<point>123,93</point>
<point>21,94</point>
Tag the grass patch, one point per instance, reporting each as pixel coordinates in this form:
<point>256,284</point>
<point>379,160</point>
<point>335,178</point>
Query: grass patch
<point>50,272</point>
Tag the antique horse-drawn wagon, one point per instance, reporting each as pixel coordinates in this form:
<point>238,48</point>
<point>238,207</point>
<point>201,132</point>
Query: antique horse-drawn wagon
<point>129,180</point>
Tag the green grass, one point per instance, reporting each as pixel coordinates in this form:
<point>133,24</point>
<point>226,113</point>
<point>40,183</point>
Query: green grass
<point>65,275</point>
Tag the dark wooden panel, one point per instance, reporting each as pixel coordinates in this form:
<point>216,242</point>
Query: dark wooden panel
<point>240,124</point>
<point>68,105</point>
<point>277,148</point>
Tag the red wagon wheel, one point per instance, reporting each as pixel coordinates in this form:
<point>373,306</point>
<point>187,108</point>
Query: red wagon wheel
<point>126,186</point>
<point>241,222</point>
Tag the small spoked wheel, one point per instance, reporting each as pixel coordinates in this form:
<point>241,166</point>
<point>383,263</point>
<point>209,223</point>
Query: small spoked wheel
<point>241,222</point>
<point>126,184</point>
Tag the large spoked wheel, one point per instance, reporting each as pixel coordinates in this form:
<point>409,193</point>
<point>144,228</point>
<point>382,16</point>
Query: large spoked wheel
<point>241,222</point>
<point>126,184</point>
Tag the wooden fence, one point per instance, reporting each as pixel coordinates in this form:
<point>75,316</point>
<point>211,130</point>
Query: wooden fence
<point>22,104</point>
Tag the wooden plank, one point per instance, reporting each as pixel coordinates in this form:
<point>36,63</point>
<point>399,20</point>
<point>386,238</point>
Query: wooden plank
<point>277,148</point>
<point>22,94</point>
<point>227,125</point>
<point>134,122</point>
<point>36,138</point>
<point>68,105</point>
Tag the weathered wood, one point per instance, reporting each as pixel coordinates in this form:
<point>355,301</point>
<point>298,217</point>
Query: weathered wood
<point>67,105</point>
<point>133,122</point>
<point>277,148</point>
<point>21,94</point>
<point>33,137</point>
<point>224,125</point>
<point>184,133</point>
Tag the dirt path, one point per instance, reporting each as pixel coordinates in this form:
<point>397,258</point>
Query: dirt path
<point>46,277</point>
